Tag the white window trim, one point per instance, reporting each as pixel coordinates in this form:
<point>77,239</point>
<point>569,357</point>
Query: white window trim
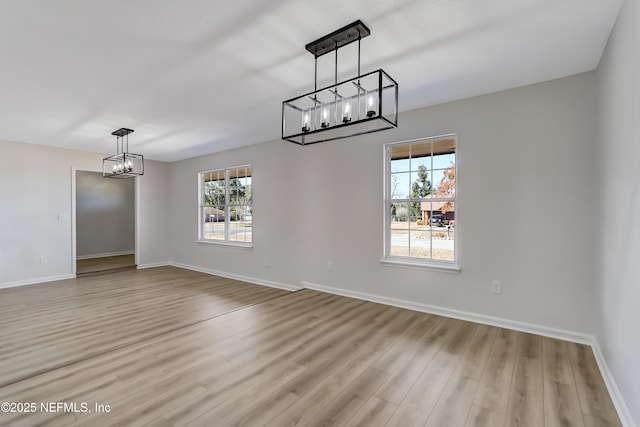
<point>408,262</point>
<point>226,241</point>
<point>411,262</point>
<point>239,245</point>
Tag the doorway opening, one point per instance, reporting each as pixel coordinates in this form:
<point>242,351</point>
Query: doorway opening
<point>104,223</point>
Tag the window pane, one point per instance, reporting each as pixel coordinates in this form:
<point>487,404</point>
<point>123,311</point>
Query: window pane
<point>239,186</point>
<point>445,182</point>
<point>400,185</point>
<point>438,174</point>
<point>248,189</point>
<point>214,213</point>
<point>415,213</point>
<point>242,172</point>
<point>399,236</point>
<point>213,217</point>
<point>420,162</point>
<point>236,191</point>
<point>448,212</point>
<point>421,242</point>
<point>241,223</point>
<point>443,246</point>
<point>399,157</point>
<point>444,235</point>
<point>421,184</point>
<point>445,145</point>
<point>400,215</point>
<point>214,188</point>
<point>443,161</point>
<point>400,165</point>
<point>420,151</point>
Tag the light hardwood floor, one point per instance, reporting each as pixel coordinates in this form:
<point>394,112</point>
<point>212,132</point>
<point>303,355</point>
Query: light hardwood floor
<point>94,265</point>
<point>167,346</point>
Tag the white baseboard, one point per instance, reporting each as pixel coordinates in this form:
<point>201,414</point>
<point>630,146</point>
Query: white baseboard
<point>612,386</point>
<point>577,337</point>
<point>36,281</point>
<point>248,279</point>
<point>458,314</point>
<point>153,265</point>
<point>104,255</point>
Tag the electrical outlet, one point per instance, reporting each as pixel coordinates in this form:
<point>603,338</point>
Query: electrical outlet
<point>266,262</point>
<point>496,287</point>
<point>62,217</point>
<point>330,265</point>
<point>43,260</point>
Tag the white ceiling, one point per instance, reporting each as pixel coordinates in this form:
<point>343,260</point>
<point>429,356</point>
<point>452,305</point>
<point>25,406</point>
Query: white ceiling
<point>200,76</point>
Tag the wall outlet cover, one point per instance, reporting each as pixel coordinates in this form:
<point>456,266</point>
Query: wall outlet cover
<point>496,287</point>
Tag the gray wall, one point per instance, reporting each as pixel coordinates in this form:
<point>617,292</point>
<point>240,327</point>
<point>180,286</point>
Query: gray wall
<point>35,197</point>
<point>105,215</point>
<point>154,246</point>
<point>521,154</point>
<point>278,214</point>
<point>618,287</point>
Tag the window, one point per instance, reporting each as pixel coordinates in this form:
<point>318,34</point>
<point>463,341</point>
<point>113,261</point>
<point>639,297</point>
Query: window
<point>420,202</point>
<point>225,210</point>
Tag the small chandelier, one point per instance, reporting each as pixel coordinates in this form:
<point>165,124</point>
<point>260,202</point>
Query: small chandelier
<point>123,164</point>
<point>364,104</point>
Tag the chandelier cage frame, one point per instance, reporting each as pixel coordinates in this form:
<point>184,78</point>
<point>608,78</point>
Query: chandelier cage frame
<point>123,164</point>
<point>363,104</point>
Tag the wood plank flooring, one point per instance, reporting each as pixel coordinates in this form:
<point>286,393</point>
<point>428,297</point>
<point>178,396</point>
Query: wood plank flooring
<point>171,347</point>
<point>48,326</point>
<point>95,265</point>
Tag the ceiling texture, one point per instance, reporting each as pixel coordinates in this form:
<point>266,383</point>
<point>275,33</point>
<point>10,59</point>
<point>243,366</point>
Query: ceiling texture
<point>199,76</point>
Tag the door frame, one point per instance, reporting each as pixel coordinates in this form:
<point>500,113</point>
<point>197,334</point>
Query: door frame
<point>136,210</point>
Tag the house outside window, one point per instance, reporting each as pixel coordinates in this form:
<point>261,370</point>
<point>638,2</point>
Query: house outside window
<point>225,206</point>
<point>420,202</point>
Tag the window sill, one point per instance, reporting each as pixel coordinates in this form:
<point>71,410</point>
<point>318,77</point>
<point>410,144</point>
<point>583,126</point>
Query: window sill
<point>239,245</point>
<point>444,268</point>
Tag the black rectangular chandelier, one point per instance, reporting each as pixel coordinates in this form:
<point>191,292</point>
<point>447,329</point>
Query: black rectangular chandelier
<point>364,104</point>
<point>123,164</point>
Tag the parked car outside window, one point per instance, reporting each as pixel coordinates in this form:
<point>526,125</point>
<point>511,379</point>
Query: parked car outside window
<point>436,220</point>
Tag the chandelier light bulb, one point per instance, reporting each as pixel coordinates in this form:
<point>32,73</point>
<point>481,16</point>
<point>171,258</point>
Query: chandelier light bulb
<point>370,107</point>
<point>346,116</point>
<point>305,122</point>
<point>325,118</point>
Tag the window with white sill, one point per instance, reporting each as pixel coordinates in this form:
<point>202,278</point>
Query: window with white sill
<point>420,202</point>
<point>225,206</point>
